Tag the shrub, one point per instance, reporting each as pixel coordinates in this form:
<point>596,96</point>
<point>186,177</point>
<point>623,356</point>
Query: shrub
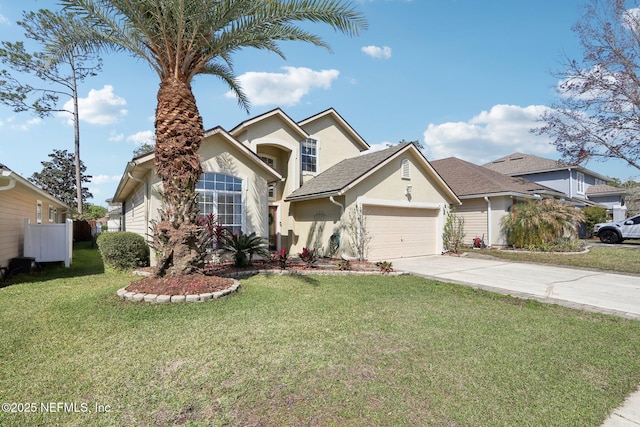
<point>594,215</point>
<point>308,256</point>
<point>385,267</point>
<point>344,265</point>
<point>540,223</point>
<point>453,233</point>
<point>244,247</point>
<point>282,258</point>
<point>123,250</point>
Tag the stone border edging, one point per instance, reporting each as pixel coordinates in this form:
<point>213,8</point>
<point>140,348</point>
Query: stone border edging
<point>166,299</point>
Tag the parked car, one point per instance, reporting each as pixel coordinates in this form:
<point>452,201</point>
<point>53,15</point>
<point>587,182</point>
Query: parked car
<point>616,232</point>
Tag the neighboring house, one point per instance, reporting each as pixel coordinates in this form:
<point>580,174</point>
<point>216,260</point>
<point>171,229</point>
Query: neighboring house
<point>20,200</point>
<point>486,197</point>
<point>299,184</point>
<point>114,212</point>
<point>583,186</point>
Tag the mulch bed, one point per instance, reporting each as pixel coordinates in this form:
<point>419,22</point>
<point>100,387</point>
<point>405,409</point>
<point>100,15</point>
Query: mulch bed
<point>192,284</point>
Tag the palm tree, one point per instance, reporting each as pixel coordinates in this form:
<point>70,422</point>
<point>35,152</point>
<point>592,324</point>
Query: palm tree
<point>184,38</point>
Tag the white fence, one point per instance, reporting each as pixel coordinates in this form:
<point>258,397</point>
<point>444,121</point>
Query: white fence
<point>49,242</point>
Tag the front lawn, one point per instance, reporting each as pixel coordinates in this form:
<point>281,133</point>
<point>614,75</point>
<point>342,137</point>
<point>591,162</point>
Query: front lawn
<point>608,258</point>
<point>307,350</point>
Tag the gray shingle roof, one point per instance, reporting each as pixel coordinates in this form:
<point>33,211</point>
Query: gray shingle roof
<point>593,190</point>
<point>519,163</point>
<point>467,179</point>
<point>342,174</point>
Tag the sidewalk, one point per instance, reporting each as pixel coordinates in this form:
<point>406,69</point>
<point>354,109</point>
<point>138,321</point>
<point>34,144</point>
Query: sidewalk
<point>602,292</point>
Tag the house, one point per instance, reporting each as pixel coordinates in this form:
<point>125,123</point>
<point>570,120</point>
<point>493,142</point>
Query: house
<point>20,200</point>
<point>582,186</point>
<point>306,184</point>
<point>114,211</point>
<point>486,197</point>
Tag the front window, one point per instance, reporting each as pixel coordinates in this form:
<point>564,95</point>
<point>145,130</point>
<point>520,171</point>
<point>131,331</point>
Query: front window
<point>221,195</point>
<point>309,155</point>
<point>580,179</point>
<point>39,212</point>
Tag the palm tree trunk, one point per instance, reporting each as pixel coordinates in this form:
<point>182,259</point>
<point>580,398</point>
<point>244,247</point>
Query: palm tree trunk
<point>179,133</point>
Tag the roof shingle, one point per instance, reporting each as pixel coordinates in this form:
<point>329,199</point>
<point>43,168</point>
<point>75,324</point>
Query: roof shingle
<point>467,179</point>
<point>344,173</point>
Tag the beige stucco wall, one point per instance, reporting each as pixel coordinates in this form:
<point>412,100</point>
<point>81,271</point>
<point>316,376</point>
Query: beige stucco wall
<point>314,222</point>
<point>388,184</point>
<point>16,205</point>
<point>218,156</point>
<point>334,142</point>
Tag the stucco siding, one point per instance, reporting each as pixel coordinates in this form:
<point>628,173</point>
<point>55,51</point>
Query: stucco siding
<point>334,143</point>
<point>314,222</point>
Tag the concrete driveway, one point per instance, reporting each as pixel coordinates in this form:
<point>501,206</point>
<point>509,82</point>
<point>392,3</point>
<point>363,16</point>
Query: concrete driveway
<point>599,291</point>
<point>609,293</point>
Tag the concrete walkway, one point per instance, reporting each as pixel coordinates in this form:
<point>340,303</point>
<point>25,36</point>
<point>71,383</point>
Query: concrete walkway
<point>598,291</point>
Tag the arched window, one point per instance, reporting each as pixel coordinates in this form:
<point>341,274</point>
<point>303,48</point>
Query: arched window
<point>221,195</point>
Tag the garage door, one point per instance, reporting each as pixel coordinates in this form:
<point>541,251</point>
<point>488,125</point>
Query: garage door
<point>400,232</point>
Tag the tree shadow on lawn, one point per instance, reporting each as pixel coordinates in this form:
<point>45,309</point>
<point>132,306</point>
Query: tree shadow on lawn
<point>87,261</point>
<point>308,279</point>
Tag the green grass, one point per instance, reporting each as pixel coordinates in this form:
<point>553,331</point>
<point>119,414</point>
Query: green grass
<point>316,350</point>
<point>609,258</point>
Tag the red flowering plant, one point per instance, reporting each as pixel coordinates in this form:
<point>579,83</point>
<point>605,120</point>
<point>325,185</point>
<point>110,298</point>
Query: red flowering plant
<point>281,257</point>
<point>216,232</point>
<point>308,256</point>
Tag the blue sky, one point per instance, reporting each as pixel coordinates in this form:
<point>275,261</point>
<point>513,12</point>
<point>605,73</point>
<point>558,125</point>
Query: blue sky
<point>464,77</point>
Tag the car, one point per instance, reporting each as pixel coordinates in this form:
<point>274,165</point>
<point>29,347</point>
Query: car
<point>616,232</point>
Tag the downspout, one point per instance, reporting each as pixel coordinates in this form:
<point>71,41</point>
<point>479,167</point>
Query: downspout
<point>570,184</point>
<point>489,227</point>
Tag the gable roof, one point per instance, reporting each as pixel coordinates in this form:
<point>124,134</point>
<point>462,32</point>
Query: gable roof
<point>14,178</point>
<point>276,112</point>
<point>469,180</point>
<point>517,164</point>
<point>142,164</point>
<point>341,177</point>
<point>343,123</point>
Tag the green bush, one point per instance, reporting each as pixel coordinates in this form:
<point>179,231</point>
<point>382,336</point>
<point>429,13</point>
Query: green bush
<point>594,215</point>
<point>123,250</point>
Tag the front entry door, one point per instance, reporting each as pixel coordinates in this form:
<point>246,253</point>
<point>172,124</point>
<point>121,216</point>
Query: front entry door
<point>273,228</point>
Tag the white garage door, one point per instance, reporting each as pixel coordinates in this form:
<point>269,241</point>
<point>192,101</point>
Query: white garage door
<point>400,232</point>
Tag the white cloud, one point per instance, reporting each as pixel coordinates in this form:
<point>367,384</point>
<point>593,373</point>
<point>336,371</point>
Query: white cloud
<point>489,135</point>
<point>4,20</point>
<point>100,107</point>
<point>286,89</point>
<point>377,52</point>
<point>115,137</point>
<point>145,136</point>
<point>24,126</point>
<point>105,179</point>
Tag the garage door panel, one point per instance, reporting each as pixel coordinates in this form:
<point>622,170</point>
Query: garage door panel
<point>400,232</point>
